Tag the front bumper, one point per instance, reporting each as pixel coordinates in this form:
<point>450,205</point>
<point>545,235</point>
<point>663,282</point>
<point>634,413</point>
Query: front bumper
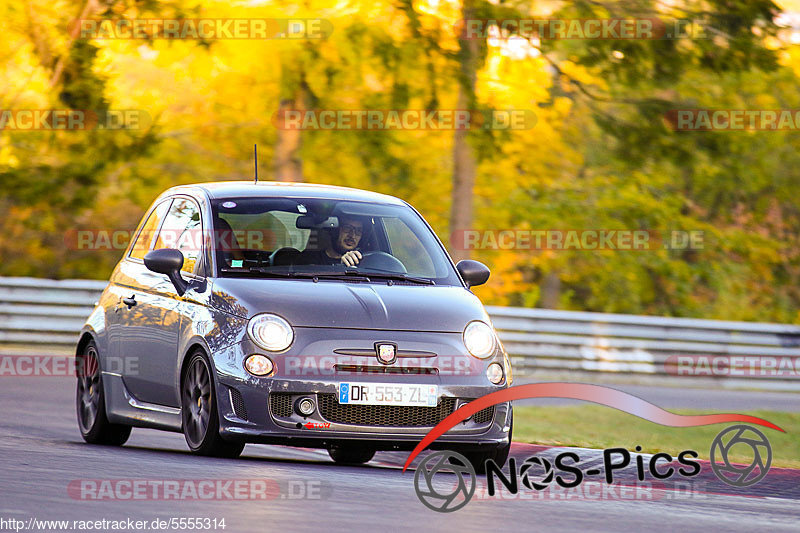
<point>261,410</point>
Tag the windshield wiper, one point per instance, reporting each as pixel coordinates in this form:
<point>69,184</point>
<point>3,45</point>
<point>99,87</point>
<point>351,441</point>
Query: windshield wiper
<point>256,272</point>
<point>347,275</point>
<point>353,275</point>
<point>264,273</point>
<point>399,277</point>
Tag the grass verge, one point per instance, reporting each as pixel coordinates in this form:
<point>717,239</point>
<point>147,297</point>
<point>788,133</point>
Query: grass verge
<point>592,426</point>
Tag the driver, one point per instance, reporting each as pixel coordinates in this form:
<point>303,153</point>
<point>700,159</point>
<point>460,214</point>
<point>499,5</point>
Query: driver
<point>342,247</point>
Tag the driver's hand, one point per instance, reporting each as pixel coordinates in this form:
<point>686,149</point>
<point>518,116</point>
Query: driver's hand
<point>351,258</point>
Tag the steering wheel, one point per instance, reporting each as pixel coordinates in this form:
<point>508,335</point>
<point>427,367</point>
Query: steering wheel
<point>382,261</point>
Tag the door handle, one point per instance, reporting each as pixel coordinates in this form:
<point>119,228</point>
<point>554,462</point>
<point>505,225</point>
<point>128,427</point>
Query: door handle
<point>130,302</point>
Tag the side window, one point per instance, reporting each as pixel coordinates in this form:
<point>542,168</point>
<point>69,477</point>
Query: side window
<point>182,230</point>
<point>145,237</point>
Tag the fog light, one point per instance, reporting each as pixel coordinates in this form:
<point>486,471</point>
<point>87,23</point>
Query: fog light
<point>459,405</point>
<point>259,365</point>
<point>494,373</point>
<point>305,406</point>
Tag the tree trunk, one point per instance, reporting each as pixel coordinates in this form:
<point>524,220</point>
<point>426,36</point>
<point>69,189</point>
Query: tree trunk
<point>88,8</point>
<point>551,291</point>
<point>287,163</point>
<point>463,155</point>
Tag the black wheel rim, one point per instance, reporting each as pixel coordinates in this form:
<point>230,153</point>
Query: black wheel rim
<point>89,392</point>
<point>196,402</point>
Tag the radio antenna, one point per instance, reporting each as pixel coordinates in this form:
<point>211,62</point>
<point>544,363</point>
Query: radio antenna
<point>255,159</point>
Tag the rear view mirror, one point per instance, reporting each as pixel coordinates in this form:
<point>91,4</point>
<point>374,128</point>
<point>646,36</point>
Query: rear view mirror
<point>312,222</point>
<point>167,261</point>
<point>473,272</point>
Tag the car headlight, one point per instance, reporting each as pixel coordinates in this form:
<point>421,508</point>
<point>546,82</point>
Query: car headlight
<point>270,332</point>
<point>479,339</point>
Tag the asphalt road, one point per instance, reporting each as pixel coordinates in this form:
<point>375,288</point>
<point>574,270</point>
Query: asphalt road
<point>43,461</point>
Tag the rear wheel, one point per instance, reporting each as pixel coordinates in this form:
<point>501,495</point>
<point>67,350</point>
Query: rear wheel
<point>353,455</point>
<point>199,412</point>
<point>90,402</point>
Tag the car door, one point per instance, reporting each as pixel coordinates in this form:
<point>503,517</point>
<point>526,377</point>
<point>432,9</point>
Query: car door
<point>136,321</point>
<point>182,230</point>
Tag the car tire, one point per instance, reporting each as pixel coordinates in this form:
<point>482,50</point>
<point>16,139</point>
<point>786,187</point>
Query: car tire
<point>90,402</point>
<point>199,413</point>
<point>351,455</point>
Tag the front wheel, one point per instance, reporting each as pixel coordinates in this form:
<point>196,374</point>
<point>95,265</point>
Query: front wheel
<point>499,454</point>
<point>199,412</point>
<point>91,405</point>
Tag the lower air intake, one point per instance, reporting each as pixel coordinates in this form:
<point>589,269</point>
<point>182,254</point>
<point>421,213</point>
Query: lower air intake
<point>238,403</point>
<point>280,403</point>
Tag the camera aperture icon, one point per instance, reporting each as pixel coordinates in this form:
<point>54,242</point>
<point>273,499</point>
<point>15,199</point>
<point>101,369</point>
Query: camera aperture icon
<point>443,495</point>
<point>741,475</point>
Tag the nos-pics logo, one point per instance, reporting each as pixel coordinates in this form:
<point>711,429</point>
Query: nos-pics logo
<point>438,490</point>
<point>447,497</point>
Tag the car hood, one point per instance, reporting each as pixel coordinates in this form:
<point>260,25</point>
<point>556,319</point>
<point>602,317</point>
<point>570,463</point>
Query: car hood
<point>339,304</point>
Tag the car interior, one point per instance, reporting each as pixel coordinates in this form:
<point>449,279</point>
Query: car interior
<point>272,244</point>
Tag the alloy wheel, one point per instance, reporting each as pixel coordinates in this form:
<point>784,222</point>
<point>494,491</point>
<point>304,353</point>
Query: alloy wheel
<point>197,402</point>
<point>89,393</point>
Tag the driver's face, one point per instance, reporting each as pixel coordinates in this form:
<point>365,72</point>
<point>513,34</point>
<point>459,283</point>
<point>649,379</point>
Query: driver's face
<point>350,232</point>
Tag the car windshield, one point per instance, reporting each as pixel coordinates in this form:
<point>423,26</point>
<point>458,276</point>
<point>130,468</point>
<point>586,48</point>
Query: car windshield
<point>307,238</point>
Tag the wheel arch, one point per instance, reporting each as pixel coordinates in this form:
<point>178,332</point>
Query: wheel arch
<point>192,347</point>
<point>86,336</point>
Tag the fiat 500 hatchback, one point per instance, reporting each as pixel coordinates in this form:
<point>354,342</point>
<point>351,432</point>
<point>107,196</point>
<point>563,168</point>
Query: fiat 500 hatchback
<point>303,315</point>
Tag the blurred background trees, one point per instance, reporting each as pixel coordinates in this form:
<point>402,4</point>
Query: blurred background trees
<point>602,154</point>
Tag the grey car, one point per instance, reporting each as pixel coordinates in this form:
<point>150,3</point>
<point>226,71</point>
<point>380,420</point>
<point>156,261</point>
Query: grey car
<point>294,314</point>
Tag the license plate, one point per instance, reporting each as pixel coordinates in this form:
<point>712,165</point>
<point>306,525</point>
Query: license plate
<point>388,394</point>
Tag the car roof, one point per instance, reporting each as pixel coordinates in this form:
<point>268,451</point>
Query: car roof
<point>277,189</point>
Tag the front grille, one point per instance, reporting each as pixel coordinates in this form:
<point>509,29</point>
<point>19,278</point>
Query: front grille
<point>484,415</point>
<point>238,403</point>
<point>280,403</point>
<point>383,415</point>
<point>367,369</point>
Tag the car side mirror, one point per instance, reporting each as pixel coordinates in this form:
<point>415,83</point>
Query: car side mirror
<point>167,261</point>
<point>473,272</point>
